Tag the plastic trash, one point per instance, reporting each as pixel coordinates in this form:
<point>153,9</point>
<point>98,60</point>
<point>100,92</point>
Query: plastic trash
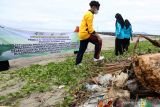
<point>105,80</point>
<point>131,85</point>
<point>94,87</point>
<point>121,79</point>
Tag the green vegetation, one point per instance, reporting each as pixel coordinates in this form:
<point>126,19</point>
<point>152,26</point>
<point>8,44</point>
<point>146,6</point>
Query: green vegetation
<point>42,78</point>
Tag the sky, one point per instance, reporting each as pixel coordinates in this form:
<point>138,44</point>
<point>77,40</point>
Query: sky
<point>64,15</point>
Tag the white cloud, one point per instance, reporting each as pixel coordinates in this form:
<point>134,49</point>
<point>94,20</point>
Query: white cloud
<point>62,14</point>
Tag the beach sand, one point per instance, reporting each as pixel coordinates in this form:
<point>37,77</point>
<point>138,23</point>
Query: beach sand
<point>108,43</point>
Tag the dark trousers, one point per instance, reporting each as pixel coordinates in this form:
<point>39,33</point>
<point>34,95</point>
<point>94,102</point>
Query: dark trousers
<point>118,46</point>
<point>75,52</point>
<point>4,65</point>
<point>83,46</point>
<point>126,43</point>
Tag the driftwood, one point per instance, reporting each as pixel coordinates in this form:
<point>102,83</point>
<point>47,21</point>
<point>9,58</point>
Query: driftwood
<point>112,68</point>
<point>154,42</point>
<point>147,67</point>
<point>147,71</point>
<point>144,93</point>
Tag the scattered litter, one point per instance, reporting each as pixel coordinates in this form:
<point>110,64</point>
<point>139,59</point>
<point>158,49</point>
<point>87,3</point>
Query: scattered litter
<point>61,86</point>
<point>121,79</point>
<point>116,93</point>
<point>128,84</point>
<point>93,100</point>
<point>105,80</point>
<point>132,85</point>
<point>94,87</point>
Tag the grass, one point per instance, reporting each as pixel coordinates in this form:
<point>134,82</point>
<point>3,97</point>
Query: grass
<point>42,78</point>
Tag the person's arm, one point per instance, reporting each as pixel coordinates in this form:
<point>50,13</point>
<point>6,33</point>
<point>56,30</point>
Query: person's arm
<point>90,24</point>
<point>118,29</point>
<point>131,33</point>
<point>90,27</point>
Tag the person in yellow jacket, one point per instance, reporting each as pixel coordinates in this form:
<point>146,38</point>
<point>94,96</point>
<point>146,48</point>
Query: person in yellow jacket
<point>88,34</point>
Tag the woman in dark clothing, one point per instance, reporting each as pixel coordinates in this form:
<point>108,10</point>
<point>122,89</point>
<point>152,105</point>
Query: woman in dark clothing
<point>119,34</point>
<point>127,34</point>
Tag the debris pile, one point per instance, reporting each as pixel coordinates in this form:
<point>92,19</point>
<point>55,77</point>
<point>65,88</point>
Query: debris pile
<point>147,71</point>
<point>127,83</point>
<point>124,85</point>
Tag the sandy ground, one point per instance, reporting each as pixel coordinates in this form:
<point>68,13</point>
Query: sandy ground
<point>108,43</point>
<point>46,99</point>
<point>24,62</point>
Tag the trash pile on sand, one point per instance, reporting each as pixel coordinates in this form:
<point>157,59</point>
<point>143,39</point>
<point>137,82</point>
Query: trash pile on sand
<point>127,86</point>
<point>131,83</point>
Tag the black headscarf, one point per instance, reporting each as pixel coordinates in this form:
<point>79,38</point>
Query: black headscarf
<point>119,19</point>
<point>127,23</point>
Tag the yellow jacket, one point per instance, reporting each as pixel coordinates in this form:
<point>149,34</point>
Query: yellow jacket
<point>86,27</point>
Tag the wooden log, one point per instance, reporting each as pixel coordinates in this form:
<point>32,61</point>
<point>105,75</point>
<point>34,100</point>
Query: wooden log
<point>147,70</point>
<point>144,94</point>
<point>154,42</point>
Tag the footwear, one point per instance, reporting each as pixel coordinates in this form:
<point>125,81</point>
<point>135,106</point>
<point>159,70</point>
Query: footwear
<point>100,58</point>
<point>80,64</point>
